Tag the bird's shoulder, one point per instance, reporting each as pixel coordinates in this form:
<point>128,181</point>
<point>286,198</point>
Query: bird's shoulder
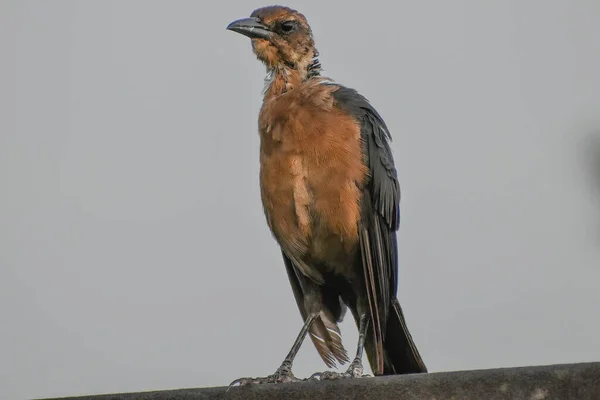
<point>376,139</point>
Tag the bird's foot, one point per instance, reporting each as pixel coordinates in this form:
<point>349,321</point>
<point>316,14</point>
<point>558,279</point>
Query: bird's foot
<point>283,374</point>
<point>327,375</point>
<point>355,370</point>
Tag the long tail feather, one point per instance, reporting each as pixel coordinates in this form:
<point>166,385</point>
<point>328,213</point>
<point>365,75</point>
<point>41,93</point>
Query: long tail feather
<point>401,353</point>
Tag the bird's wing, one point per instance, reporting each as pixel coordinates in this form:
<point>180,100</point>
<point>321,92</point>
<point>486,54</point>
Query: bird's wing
<point>380,216</point>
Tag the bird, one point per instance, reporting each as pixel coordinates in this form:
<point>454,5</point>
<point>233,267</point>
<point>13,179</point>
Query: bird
<point>331,198</point>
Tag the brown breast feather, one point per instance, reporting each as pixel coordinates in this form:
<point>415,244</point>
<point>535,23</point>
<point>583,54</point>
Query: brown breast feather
<point>311,173</point>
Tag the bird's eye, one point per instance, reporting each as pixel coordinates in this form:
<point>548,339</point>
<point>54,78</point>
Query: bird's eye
<point>288,26</point>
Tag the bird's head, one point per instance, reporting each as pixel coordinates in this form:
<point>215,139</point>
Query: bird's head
<point>281,38</point>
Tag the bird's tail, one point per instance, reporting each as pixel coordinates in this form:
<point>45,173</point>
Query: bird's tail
<point>400,353</point>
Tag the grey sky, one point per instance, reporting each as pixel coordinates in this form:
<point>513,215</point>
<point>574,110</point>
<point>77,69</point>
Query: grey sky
<point>134,254</point>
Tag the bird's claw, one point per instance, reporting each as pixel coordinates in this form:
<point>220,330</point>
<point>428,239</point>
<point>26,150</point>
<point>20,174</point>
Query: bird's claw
<point>330,375</point>
<point>275,378</point>
<point>355,370</point>
<point>282,375</point>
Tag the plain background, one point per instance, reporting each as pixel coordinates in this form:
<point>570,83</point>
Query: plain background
<point>134,254</point>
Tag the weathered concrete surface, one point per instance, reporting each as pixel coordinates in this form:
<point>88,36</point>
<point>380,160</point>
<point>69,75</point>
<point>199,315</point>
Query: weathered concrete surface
<point>564,382</point>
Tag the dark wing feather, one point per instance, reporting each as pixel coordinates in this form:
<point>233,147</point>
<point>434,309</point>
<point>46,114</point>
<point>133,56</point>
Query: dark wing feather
<point>380,215</point>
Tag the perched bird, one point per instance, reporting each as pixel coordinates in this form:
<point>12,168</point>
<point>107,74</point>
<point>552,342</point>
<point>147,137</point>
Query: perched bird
<point>331,197</point>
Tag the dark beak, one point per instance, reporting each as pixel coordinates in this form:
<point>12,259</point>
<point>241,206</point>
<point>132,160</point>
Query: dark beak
<point>251,27</point>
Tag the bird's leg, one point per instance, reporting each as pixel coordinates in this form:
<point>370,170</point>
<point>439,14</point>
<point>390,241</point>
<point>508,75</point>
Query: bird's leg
<point>355,369</point>
<point>284,372</point>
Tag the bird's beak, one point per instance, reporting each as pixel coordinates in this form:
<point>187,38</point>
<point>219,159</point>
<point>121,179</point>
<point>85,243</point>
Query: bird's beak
<point>251,27</point>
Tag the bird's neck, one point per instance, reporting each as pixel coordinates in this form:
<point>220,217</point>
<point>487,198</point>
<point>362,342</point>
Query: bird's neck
<point>282,78</point>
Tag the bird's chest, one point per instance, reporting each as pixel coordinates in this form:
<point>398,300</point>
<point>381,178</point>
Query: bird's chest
<point>286,193</point>
<point>310,177</point>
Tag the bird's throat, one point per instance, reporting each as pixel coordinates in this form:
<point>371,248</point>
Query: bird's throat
<point>283,78</point>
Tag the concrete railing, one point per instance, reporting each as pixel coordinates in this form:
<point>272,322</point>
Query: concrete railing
<point>564,382</point>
